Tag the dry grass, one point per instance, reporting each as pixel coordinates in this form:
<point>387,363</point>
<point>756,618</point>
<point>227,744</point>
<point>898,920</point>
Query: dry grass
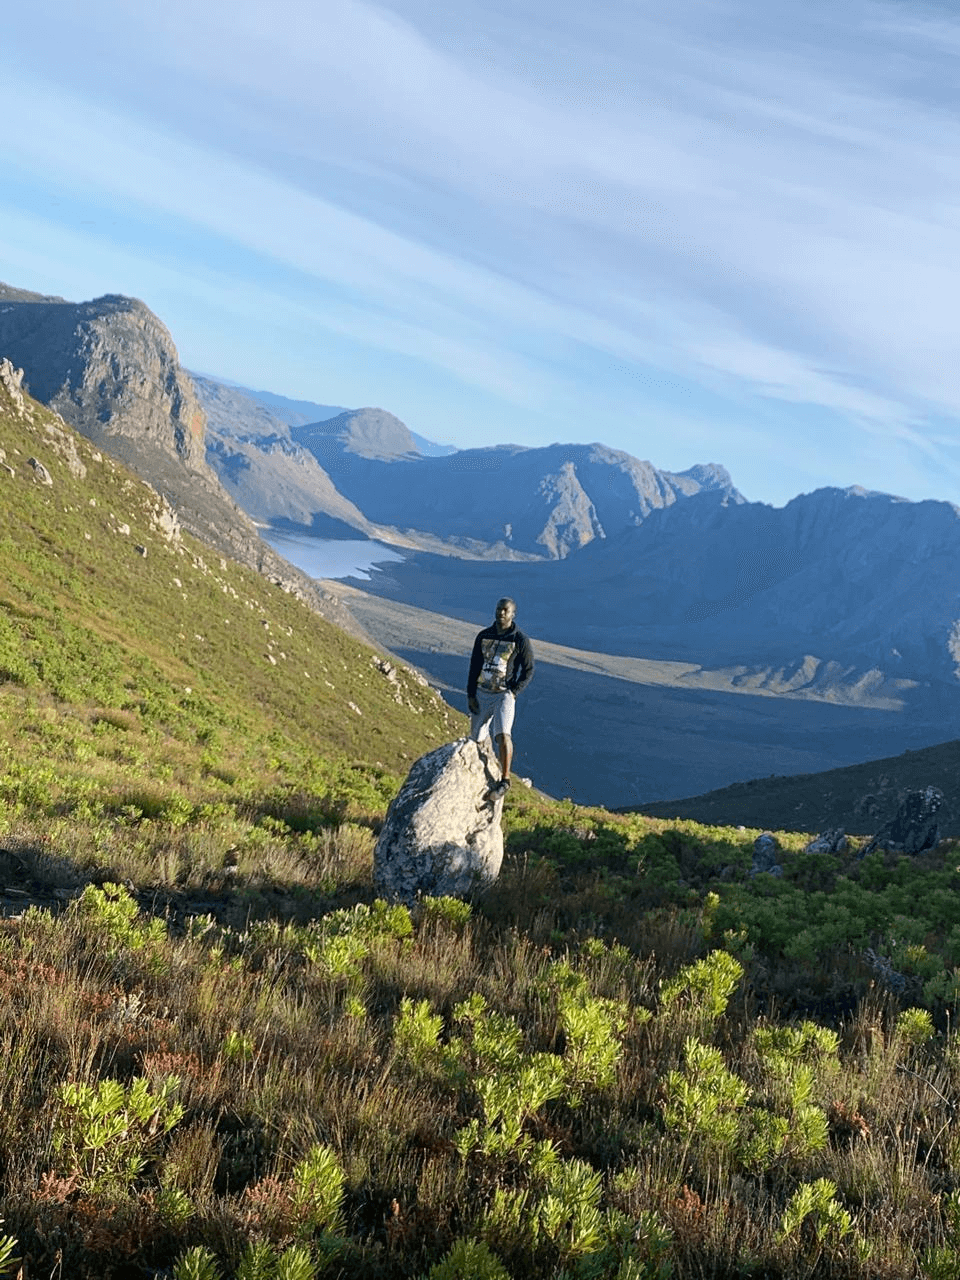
<point>274,1057</point>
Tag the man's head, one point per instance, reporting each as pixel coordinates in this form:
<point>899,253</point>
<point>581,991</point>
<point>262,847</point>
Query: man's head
<point>505,613</point>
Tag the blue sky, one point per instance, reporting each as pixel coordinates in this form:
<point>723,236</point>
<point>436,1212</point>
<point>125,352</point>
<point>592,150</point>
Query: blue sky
<point>700,232</point>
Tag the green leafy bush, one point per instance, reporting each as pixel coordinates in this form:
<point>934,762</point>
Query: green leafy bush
<point>198,1263</point>
<point>318,1190</point>
<point>702,1103</point>
<point>112,910</point>
<point>704,987</point>
<point>469,1260</point>
<point>105,1134</point>
<point>815,1203</point>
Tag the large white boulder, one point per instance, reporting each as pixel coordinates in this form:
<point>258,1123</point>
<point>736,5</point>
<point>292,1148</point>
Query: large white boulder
<point>441,835</point>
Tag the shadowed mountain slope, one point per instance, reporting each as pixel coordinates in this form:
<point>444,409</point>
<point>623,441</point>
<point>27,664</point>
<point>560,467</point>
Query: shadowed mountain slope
<point>837,587</point>
<point>859,798</point>
<point>273,479</point>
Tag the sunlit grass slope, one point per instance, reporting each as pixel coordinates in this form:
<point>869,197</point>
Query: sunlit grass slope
<point>222,1056</point>
<point>130,655</point>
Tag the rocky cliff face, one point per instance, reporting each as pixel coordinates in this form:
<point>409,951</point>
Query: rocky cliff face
<point>273,479</point>
<point>110,369</point>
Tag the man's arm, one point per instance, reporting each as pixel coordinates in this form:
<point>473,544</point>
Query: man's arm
<point>476,665</point>
<point>523,667</point>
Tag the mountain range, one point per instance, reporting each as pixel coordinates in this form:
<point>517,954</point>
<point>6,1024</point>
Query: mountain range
<point>366,470</point>
<point>807,637</point>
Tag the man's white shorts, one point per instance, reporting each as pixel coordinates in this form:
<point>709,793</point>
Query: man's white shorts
<point>495,716</point>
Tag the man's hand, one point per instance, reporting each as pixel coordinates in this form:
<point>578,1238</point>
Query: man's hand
<point>474,705</point>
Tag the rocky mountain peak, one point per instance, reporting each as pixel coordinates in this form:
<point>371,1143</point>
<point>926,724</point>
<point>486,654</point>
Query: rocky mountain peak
<point>369,433</point>
<point>109,367</point>
<point>706,475</point>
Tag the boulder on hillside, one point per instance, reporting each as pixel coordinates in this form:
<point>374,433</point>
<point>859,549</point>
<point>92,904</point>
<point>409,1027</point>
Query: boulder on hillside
<point>766,856</point>
<point>441,835</point>
<point>914,828</point>
<point>833,840</point>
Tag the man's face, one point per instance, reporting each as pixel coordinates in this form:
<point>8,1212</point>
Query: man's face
<point>506,612</point>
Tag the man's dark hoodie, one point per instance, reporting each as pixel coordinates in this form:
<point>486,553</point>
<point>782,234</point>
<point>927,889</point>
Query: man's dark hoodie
<point>500,660</point>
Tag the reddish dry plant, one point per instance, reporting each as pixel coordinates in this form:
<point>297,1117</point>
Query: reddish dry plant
<point>17,975</point>
<point>268,1205</point>
<point>97,1003</point>
<point>56,1190</point>
<point>689,1208</point>
<point>164,1063</point>
<point>847,1125</point>
<point>107,1232</point>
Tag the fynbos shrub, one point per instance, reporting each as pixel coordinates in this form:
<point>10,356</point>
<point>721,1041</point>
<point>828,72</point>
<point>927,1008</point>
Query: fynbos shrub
<point>703,988</point>
<point>107,1133</point>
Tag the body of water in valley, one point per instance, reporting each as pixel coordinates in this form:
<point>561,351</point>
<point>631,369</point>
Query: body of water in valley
<point>328,557</point>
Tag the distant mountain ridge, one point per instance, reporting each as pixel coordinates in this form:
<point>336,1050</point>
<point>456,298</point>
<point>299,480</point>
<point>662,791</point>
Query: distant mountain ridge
<point>363,470</point>
<point>265,471</point>
<point>508,501</point>
<point>373,434</point>
<point>297,413</point>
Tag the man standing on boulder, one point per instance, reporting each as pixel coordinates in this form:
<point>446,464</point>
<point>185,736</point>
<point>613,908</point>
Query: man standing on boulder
<point>500,666</point>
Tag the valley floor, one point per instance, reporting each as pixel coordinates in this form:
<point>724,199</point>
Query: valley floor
<point>614,730</point>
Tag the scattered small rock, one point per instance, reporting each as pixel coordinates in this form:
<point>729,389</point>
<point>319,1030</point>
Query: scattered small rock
<point>885,973</point>
<point>40,472</point>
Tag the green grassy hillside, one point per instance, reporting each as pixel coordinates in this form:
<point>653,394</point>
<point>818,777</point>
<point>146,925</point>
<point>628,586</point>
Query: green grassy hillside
<point>130,659</point>
<point>222,1056</point>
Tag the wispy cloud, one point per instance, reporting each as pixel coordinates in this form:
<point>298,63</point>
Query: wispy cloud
<point>759,201</point>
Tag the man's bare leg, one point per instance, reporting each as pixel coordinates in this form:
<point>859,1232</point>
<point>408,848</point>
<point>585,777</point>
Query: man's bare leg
<point>505,752</point>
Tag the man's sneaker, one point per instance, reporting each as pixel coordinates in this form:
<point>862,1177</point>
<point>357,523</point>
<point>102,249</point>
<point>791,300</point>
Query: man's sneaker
<point>499,789</point>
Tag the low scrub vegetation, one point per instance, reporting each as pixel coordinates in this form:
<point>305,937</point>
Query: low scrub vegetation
<point>223,1058</point>
<point>455,1090</point>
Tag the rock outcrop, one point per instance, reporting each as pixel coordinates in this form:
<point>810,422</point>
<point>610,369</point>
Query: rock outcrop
<point>110,368</point>
<point>11,380</point>
<point>832,841</point>
<point>441,835</point>
<point>914,828</point>
<point>766,856</point>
